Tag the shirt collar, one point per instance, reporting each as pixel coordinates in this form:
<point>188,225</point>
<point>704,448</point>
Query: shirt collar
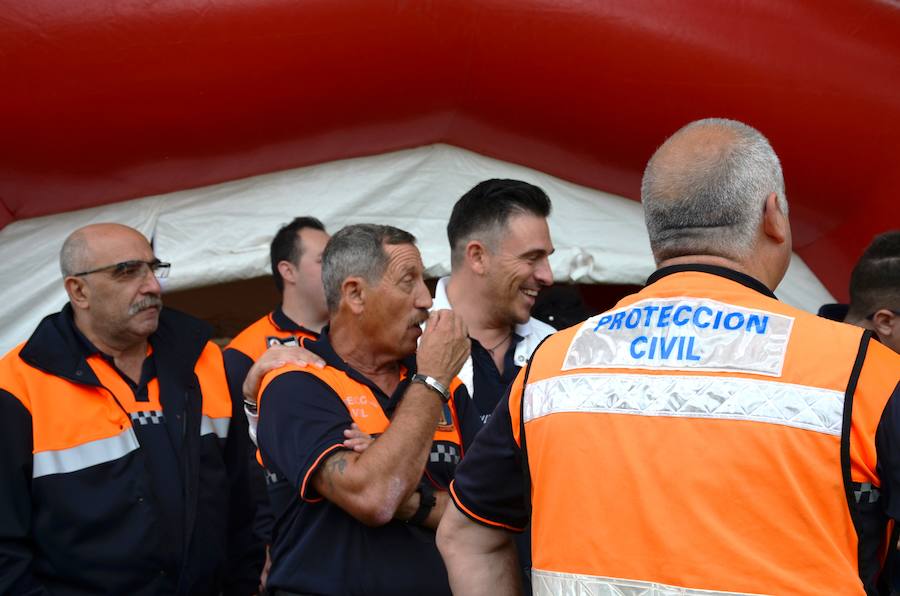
<point>441,301</point>
<point>736,276</point>
<point>322,347</point>
<point>285,323</point>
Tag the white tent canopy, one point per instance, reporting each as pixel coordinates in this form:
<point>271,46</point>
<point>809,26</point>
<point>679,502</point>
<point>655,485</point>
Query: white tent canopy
<point>222,233</point>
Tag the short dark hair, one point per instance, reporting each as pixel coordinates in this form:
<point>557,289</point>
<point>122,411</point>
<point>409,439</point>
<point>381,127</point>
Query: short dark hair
<point>486,208</point>
<point>875,281</point>
<point>357,250</point>
<point>286,245</point>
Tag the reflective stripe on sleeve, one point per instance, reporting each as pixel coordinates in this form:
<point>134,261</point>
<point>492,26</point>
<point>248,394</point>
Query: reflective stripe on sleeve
<point>551,583</point>
<point>60,461</point>
<point>216,426</point>
<point>798,406</point>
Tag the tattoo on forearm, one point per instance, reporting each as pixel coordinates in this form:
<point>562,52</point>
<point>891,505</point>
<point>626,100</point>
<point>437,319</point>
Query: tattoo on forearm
<point>338,464</point>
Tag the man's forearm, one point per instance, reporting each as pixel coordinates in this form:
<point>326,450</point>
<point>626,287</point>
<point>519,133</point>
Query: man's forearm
<point>480,561</point>
<point>372,485</point>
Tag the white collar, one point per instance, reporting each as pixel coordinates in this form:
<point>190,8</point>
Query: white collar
<point>441,301</point>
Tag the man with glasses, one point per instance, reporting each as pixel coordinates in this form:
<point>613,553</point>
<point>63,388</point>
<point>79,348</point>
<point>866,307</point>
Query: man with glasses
<point>875,290</point>
<point>124,458</point>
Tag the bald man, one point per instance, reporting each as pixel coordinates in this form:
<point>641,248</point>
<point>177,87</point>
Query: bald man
<point>124,458</point>
<point>701,437</point>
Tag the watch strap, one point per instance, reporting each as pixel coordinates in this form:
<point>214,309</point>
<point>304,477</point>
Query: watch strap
<point>433,384</point>
<point>426,504</point>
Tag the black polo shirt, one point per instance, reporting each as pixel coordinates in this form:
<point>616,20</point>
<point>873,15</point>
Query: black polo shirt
<point>489,385</point>
<point>317,547</point>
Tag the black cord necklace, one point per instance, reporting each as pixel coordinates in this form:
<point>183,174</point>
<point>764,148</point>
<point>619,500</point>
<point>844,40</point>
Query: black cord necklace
<point>499,343</point>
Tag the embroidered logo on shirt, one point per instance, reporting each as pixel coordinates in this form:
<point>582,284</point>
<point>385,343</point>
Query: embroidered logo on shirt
<point>281,341</point>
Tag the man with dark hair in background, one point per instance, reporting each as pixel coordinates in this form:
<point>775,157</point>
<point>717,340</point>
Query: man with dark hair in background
<point>296,261</point>
<point>363,522</point>
<point>875,290</point>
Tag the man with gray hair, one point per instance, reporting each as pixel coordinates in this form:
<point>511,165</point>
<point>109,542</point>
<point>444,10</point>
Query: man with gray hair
<point>701,437</point>
<point>363,521</point>
<point>124,467</point>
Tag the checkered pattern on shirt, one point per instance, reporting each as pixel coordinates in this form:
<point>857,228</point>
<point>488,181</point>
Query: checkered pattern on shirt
<point>149,417</point>
<point>865,492</point>
<point>444,452</point>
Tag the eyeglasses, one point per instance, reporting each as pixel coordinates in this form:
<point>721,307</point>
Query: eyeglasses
<point>132,269</point>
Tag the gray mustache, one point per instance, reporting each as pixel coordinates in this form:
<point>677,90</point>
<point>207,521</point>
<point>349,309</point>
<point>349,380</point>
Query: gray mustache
<point>148,302</point>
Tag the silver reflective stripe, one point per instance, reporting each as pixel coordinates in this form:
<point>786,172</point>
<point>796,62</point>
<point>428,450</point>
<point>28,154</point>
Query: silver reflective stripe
<point>82,456</point>
<point>551,583</point>
<point>216,426</point>
<point>798,406</point>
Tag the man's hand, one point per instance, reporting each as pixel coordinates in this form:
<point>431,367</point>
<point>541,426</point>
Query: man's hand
<point>444,346</point>
<point>276,357</point>
<point>356,439</point>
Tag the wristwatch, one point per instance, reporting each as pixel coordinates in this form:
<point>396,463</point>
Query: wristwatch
<point>433,384</point>
<point>426,504</point>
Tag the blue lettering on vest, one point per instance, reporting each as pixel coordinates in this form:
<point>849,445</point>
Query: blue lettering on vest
<point>632,321</point>
<point>759,323</point>
<point>617,321</point>
<point>603,321</point>
<point>684,308</point>
<point>665,348</point>
<point>634,343</point>
<point>649,310</point>
<point>696,317</point>
<point>734,320</point>
<point>664,314</point>
<point>690,349</point>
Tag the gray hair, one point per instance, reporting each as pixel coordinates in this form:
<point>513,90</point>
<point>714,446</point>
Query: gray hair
<point>73,254</point>
<point>357,250</point>
<point>710,203</point>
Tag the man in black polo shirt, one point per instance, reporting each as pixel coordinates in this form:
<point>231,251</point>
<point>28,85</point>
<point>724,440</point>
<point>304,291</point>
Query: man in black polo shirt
<point>364,522</point>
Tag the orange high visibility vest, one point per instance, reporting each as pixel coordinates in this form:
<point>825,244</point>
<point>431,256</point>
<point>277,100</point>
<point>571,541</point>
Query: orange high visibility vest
<point>365,410</point>
<point>703,438</point>
<point>264,333</point>
<point>98,430</point>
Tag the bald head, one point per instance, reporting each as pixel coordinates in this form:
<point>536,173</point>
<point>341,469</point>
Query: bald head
<point>82,249</point>
<point>705,188</point>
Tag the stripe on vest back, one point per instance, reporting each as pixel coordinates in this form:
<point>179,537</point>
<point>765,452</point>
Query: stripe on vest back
<point>798,406</point>
<point>547,583</point>
<point>82,456</point>
<point>216,426</point>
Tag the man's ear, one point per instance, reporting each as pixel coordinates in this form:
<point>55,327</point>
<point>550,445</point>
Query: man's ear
<point>477,256</point>
<point>286,270</point>
<point>884,323</point>
<point>78,292</point>
<point>775,221</point>
<point>353,294</point>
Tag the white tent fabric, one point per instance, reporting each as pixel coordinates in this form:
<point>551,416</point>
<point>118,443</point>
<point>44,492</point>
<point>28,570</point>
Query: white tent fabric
<point>222,233</point>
